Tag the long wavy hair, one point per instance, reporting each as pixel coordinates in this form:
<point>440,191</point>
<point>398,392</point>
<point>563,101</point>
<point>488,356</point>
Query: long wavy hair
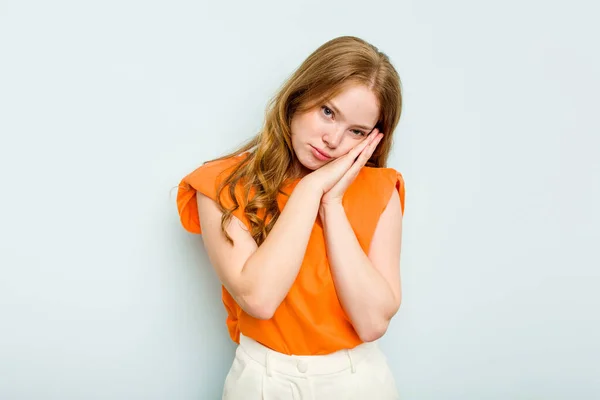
<point>271,161</point>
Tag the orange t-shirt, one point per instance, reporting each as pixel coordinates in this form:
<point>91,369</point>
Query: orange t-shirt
<point>310,320</point>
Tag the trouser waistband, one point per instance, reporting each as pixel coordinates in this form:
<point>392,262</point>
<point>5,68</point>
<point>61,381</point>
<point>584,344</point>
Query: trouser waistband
<point>306,365</point>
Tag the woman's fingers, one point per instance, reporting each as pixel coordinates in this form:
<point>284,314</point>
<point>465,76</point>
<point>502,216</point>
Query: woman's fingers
<point>355,152</point>
<point>364,156</point>
<point>369,149</point>
<point>349,164</point>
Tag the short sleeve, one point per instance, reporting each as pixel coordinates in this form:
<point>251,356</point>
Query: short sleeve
<point>206,180</point>
<point>367,197</point>
<point>393,180</point>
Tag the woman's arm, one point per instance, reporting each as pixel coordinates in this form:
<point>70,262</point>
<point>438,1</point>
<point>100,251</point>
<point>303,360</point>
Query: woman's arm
<point>259,277</point>
<point>368,287</point>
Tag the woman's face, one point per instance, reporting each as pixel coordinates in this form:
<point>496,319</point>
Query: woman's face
<point>332,129</point>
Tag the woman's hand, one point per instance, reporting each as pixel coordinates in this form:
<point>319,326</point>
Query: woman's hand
<point>335,194</point>
<point>328,176</point>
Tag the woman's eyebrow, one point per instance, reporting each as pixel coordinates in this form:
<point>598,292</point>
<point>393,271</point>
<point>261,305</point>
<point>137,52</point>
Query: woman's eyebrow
<point>337,111</point>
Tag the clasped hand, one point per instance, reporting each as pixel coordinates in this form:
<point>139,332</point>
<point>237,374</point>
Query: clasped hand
<point>336,176</point>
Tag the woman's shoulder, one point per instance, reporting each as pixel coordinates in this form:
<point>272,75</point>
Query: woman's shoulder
<point>380,176</point>
<point>379,172</point>
<point>205,180</point>
<point>378,183</point>
<point>213,171</point>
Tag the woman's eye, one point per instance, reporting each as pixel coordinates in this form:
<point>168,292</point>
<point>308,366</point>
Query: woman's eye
<point>327,111</point>
<point>357,132</point>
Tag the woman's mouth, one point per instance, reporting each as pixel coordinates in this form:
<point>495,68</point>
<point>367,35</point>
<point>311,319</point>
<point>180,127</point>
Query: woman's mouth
<point>320,155</point>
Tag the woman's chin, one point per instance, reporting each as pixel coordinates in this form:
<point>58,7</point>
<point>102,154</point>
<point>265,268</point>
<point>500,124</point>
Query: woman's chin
<point>308,166</point>
<point>312,164</point>
<point>306,163</point>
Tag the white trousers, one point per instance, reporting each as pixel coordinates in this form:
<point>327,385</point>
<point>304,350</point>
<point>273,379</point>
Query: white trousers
<point>258,372</point>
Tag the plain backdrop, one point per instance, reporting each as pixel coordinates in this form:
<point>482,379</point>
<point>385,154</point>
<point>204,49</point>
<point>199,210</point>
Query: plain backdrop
<point>105,106</point>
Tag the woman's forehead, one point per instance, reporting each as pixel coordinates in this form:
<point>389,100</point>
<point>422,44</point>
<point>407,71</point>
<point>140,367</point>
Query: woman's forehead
<point>356,104</point>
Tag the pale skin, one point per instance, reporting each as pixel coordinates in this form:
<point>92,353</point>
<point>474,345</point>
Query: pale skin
<point>259,277</point>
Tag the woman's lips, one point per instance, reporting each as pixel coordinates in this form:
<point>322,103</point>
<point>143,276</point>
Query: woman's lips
<point>319,155</point>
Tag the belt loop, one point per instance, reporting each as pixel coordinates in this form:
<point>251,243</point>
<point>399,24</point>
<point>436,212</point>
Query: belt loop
<point>267,364</point>
<point>352,366</point>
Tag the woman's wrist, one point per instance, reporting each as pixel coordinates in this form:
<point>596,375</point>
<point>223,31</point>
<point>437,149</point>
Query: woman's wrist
<point>310,187</point>
<point>328,208</point>
<point>310,183</point>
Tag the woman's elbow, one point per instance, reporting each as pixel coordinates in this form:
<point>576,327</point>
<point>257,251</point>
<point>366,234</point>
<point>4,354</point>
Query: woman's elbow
<point>263,312</point>
<point>374,331</point>
<point>257,307</point>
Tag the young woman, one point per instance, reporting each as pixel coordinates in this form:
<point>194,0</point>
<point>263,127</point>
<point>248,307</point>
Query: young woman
<point>303,226</point>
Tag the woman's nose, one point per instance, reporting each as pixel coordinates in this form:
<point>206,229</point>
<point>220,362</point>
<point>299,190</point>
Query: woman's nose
<point>333,137</point>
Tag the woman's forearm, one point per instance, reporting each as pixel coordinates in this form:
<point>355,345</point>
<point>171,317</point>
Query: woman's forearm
<point>271,270</point>
<point>363,292</point>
